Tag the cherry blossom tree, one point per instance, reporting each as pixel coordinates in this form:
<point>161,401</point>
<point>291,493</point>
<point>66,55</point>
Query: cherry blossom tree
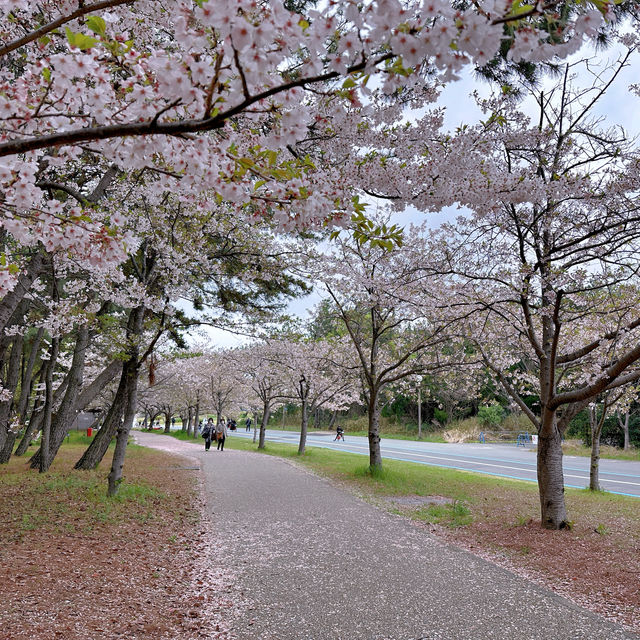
<point>319,374</point>
<point>391,305</point>
<point>206,97</point>
<point>548,260</point>
<point>261,373</point>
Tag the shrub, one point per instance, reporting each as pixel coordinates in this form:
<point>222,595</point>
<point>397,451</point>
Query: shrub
<point>491,416</point>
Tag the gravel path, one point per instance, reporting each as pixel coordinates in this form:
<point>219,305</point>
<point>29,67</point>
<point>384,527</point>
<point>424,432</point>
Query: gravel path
<point>317,563</point>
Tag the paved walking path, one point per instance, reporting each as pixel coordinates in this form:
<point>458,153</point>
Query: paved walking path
<point>317,563</point>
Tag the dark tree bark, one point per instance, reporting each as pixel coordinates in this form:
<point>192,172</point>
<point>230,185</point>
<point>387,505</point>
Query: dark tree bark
<point>304,426</point>
<point>11,300</point>
<point>48,405</point>
<point>122,437</point>
<point>92,457</point>
<point>375,455</point>
<point>93,389</point>
<point>26,386</point>
<point>35,422</point>
<point>551,481</point>
<point>266,412</point>
<point>8,435</point>
<point>67,411</point>
<point>196,417</point>
<point>304,390</point>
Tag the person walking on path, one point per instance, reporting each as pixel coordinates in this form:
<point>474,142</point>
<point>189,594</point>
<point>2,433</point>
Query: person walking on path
<point>247,424</point>
<point>207,434</point>
<point>221,434</point>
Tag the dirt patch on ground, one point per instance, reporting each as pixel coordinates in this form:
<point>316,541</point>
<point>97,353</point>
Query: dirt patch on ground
<point>75,566</point>
<point>410,502</point>
<point>596,564</point>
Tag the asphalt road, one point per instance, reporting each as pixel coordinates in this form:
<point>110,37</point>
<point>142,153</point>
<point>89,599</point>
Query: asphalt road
<point>504,460</point>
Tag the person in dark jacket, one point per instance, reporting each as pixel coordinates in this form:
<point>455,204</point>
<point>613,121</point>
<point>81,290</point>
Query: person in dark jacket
<point>208,433</point>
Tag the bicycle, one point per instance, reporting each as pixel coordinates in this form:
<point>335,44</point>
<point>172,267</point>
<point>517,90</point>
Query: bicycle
<point>339,435</point>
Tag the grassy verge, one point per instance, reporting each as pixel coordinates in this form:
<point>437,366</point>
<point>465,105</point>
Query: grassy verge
<point>576,448</point>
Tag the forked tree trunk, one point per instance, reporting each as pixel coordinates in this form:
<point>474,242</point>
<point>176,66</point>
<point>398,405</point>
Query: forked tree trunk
<point>66,413</point>
<point>94,453</point>
<point>551,480</point>
<point>624,425</point>
<point>375,455</point>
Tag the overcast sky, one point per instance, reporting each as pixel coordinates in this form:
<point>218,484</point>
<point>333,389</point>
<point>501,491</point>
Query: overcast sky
<point>619,107</point>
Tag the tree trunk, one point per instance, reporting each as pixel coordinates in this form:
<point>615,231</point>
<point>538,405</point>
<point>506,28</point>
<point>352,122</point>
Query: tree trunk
<point>551,480</point>
<point>32,428</point>
<point>419,413</point>
<point>26,386</point>
<point>12,299</point>
<point>94,388</point>
<point>167,422</point>
<point>10,384</point>
<point>122,438</point>
<point>594,469</point>
<point>196,417</point>
<point>624,425</point>
<point>334,416</point>
<point>375,456</point>
<point>67,411</point>
<point>596,432</point>
<point>304,424</point>
<point>48,405</point>
<point>94,453</point>
<point>36,418</point>
<point>191,422</point>
<point>266,410</point>
<point>134,330</point>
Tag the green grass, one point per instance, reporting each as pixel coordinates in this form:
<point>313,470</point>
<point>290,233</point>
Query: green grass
<point>182,435</point>
<point>64,500</point>
<point>456,514</point>
<point>395,478</point>
<point>473,497</point>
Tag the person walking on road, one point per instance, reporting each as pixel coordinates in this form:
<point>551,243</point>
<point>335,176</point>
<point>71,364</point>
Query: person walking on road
<point>247,424</point>
<point>207,433</point>
<point>221,434</point>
